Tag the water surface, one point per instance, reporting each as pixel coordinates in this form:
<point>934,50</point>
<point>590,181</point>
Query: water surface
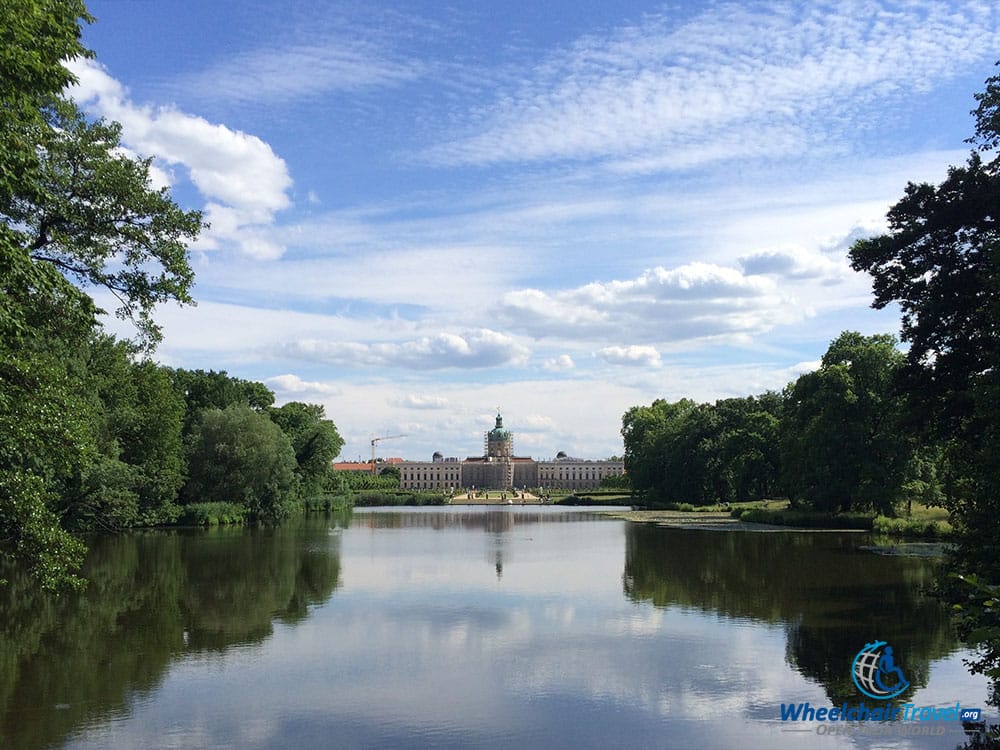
<point>518,627</point>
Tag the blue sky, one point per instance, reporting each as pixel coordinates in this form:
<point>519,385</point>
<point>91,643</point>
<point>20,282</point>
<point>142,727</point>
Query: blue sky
<point>421,211</point>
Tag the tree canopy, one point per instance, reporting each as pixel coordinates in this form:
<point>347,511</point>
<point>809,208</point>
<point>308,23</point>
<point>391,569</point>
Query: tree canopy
<point>94,214</point>
<point>94,435</point>
<point>241,456</point>
<point>842,445</point>
<point>940,261</point>
<point>684,452</point>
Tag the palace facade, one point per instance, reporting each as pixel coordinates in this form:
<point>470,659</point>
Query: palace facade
<point>499,469</point>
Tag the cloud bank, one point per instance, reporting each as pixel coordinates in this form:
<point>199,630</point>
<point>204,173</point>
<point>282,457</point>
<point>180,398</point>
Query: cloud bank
<point>244,183</point>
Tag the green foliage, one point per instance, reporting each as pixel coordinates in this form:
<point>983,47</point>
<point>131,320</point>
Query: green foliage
<point>100,221</point>
<point>91,435</point>
<point>622,482</point>
<point>328,501</point>
<point>374,498</point>
<point>842,445</point>
<point>910,527</point>
<point>314,439</point>
<point>240,456</point>
<point>976,612</point>
<point>72,207</point>
<point>390,472</point>
<point>834,440</point>
<point>940,262</point>
<point>135,423</point>
<point>359,481</point>
<point>589,499</point>
<point>805,518</point>
<point>30,532</point>
<point>212,514</point>
<point>44,434</point>
<point>216,390</point>
<point>703,453</point>
<point>36,37</point>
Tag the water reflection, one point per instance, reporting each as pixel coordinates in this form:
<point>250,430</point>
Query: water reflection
<point>491,519</point>
<point>831,597</point>
<point>153,598</point>
<point>460,628</point>
<point>497,522</point>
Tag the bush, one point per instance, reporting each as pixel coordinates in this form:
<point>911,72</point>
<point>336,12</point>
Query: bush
<point>212,514</point>
<point>911,527</point>
<point>327,501</point>
<point>613,498</point>
<point>804,519</point>
<point>400,497</point>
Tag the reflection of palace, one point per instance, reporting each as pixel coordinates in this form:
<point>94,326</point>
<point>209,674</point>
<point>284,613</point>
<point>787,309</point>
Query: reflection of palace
<point>499,468</point>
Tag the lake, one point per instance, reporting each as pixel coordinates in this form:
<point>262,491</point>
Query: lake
<point>521,627</point>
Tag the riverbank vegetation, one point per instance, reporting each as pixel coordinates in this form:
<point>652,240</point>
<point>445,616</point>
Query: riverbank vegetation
<point>921,522</point>
<point>95,435</point>
<point>833,441</point>
<point>874,430</point>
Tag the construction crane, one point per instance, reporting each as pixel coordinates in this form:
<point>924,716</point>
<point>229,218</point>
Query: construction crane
<point>378,440</point>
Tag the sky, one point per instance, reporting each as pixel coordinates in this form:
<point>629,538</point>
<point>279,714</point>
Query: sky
<point>422,212</point>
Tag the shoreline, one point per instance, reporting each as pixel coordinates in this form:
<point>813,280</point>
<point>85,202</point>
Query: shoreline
<point>709,520</point>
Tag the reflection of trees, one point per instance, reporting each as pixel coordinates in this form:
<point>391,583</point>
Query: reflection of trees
<point>152,598</point>
<point>831,597</point>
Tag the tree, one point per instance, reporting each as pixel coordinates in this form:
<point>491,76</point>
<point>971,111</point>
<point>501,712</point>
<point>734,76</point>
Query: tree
<point>216,390</point>
<point>390,472</point>
<point>644,432</point>
<point>841,444</point>
<point>240,456</point>
<point>748,444</point>
<point>940,261</point>
<point>35,38</point>
<point>685,452</point>
<point>53,226</point>
<point>137,465</point>
<point>100,222</point>
<point>314,439</point>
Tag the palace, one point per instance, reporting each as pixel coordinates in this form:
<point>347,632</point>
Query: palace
<point>499,469</point>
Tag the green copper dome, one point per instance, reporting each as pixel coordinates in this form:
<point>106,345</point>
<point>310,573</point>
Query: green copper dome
<point>499,432</point>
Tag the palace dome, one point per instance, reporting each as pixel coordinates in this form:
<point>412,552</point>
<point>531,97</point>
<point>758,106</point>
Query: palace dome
<point>498,433</point>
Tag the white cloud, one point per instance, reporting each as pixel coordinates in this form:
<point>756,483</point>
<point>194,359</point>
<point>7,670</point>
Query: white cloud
<point>471,349</point>
<point>635,356</point>
<point>694,301</point>
<point>415,401</point>
<point>279,75</point>
<point>292,385</point>
<point>536,422</point>
<point>795,262</point>
<point>243,181</point>
<point>660,94</point>
<point>556,364</point>
<point>801,368</point>
<point>839,245</point>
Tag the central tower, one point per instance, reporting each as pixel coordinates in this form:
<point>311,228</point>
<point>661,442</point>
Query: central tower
<point>500,449</point>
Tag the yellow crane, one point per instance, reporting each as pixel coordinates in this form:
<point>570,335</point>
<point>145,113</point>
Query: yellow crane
<point>378,440</point>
